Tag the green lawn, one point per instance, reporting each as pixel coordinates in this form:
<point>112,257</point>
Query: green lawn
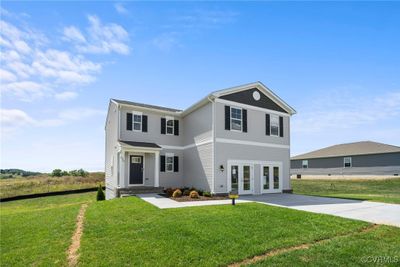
<point>387,190</point>
<point>45,183</point>
<point>131,232</point>
<point>380,247</point>
<point>37,232</point>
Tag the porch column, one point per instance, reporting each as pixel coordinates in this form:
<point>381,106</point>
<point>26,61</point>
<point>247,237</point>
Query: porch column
<point>157,169</point>
<point>122,179</point>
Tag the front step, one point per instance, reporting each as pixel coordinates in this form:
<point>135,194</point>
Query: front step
<point>133,190</point>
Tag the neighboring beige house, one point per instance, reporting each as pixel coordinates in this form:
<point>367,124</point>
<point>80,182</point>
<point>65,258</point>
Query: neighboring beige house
<point>233,139</point>
<point>359,158</point>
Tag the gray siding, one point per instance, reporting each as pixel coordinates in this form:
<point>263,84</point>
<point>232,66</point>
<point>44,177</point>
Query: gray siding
<point>225,152</point>
<point>111,157</point>
<point>153,134</point>
<point>255,127</point>
<point>198,167</point>
<point>376,160</point>
<point>172,179</point>
<point>197,125</point>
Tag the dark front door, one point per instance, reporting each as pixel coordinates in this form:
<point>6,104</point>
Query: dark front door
<point>136,170</point>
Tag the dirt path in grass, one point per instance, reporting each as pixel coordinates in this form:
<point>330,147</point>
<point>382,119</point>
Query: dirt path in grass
<point>76,238</point>
<point>279,251</point>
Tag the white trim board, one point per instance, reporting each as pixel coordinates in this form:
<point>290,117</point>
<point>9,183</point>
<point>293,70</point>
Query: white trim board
<point>203,142</point>
<point>250,143</point>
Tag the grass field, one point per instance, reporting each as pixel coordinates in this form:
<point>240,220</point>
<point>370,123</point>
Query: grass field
<point>131,232</point>
<point>37,232</point>
<point>46,183</point>
<point>387,190</point>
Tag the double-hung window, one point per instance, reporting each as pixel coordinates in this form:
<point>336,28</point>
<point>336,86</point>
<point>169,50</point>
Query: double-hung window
<point>137,122</point>
<point>347,162</point>
<point>236,119</point>
<point>275,125</point>
<point>170,125</point>
<point>169,162</point>
<point>304,164</point>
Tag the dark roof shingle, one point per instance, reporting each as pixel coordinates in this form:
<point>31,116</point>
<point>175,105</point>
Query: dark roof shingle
<point>146,105</point>
<point>350,149</point>
<point>140,144</point>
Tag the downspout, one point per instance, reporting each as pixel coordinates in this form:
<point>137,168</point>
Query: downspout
<point>213,143</point>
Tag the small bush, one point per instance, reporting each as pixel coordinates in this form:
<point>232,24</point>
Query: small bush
<point>177,193</point>
<point>186,192</point>
<point>100,194</point>
<point>194,194</point>
<point>200,192</point>
<point>206,194</point>
<point>169,191</point>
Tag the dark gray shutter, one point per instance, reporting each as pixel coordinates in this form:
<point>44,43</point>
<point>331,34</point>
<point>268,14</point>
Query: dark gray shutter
<point>227,117</point>
<point>162,163</point>
<point>144,123</point>
<point>129,121</point>
<point>280,126</point>
<point>163,123</point>
<point>267,124</point>
<point>176,127</point>
<point>244,116</point>
<point>176,164</point>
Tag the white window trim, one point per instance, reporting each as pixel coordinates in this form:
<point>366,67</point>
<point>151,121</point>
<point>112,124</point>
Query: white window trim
<point>344,162</point>
<point>169,155</point>
<point>302,163</point>
<point>166,125</point>
<point>270,126</point>
<point>137,113</point>
<point>241,120</point>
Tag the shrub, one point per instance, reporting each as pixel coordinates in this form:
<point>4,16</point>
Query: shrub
<point>177,193</point>
<point>56,173</point>
<point>200,192</point>
<point>100,194</point>
<point>194,194</point>
<point>186,192</point>
<point>206,194</point>
<point>169,191</point>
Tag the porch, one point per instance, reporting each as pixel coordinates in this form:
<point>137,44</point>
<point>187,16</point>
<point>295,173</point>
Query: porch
<point>139,168</point>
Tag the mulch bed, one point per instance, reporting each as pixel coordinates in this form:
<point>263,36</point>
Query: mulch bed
<point>201,198</point>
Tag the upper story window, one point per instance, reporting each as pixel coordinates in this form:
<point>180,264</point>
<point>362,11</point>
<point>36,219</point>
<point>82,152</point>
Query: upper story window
<point>304,164</point>
<point>170,126</point>
<point>137,122</point>
<point>347,162</point>
<point>236,119</point>
<point>275,125</point>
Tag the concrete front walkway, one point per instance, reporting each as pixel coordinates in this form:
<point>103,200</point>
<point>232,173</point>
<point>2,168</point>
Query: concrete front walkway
<point>167,203</point>
<point>374,212</point>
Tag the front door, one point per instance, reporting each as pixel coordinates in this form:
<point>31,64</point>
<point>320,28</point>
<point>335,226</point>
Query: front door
<point>136,170</point>
<point>241,178</point>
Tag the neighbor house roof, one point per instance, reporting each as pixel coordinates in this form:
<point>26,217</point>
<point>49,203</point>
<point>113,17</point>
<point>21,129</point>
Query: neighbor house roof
<point>213,95</point>
<point>350,149</point>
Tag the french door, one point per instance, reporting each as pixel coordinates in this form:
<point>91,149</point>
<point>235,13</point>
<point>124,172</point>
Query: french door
<point>241,178</point>
<point>271,178</point>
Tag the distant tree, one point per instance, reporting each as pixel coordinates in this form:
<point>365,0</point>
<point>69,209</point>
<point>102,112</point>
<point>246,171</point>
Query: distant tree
<point>56,173</point>
<point>100,194</point>
<point>64,173</point>
<point>82,172</point>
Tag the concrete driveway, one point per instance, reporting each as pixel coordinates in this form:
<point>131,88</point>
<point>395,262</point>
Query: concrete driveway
<point>374,212</point>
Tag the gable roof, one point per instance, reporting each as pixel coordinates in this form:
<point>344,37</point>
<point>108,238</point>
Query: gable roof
<point>216,94</point>
<point>350,149</point>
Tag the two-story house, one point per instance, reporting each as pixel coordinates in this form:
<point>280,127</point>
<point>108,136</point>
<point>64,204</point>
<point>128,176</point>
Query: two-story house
<point>233,139</point>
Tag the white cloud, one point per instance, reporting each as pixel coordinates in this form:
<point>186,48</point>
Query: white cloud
<point>7,76</point>
<point>119,7</point>
<point>67,95</point>
<point>14,119</point>
<point>32,69</point>
<point>167,41</point>
<point>100,38</point>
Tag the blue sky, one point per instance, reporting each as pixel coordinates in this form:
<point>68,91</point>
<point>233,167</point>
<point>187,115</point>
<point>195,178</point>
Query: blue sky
<point>336,63</point>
